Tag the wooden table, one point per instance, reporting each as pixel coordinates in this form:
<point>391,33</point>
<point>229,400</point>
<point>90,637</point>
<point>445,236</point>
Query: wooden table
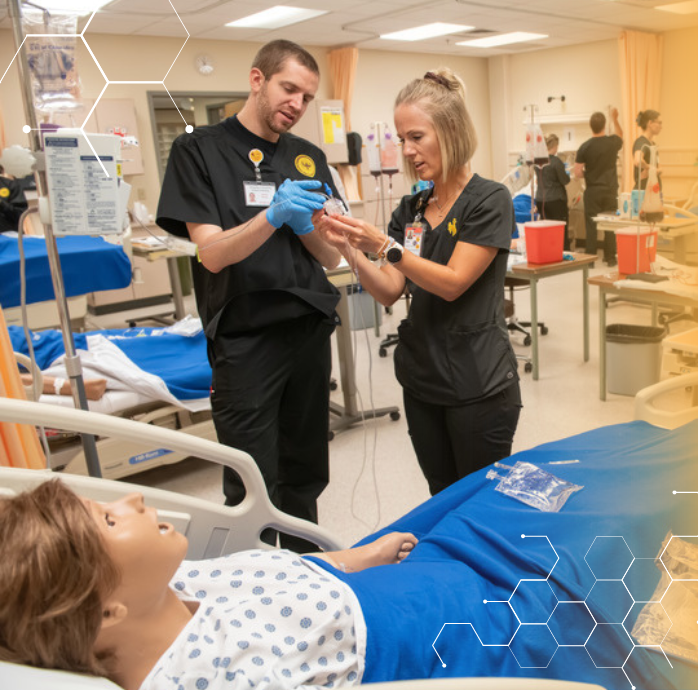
<point>535,272</point>
<point>607,287</point>
<point>679,230</point>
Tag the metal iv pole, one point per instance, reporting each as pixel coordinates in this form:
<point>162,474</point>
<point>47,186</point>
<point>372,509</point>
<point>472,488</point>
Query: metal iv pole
<point>72,361</point>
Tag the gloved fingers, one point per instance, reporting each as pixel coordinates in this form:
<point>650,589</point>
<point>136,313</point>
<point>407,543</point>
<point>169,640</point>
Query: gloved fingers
<point>307,184</point>
<point>308,201</point>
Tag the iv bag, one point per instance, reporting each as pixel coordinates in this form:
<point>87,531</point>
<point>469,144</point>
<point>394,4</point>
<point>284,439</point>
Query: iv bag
<point>536,150</point>
<point>373,154</point>
<point>652,209</point>
<point>388,154</point>
<point>51,59</point>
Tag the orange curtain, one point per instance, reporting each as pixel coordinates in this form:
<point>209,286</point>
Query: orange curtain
<point>342,62</point>
<point>640,76</point>
<point>19,443</point>
<point>3,143</point>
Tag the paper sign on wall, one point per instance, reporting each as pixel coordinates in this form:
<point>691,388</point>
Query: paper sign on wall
<point>332,125</point>
<point>84,201</point>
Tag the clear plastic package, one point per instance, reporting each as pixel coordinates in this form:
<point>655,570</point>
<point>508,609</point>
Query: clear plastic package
<point>536,487</point>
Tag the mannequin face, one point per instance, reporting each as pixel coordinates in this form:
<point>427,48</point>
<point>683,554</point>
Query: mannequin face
<point>283,98</point>
<point>420,144</point>
<point>146,552</point>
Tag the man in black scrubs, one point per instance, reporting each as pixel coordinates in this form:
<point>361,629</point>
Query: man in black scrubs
<point>244,191</point>
<point>597,161</point>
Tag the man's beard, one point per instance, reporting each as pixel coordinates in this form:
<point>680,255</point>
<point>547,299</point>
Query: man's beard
<point>267,115</point>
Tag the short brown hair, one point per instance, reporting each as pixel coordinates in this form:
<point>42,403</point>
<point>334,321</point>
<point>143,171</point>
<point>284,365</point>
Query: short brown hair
<point>597,122</point>
<point>441,95</point>
<point>271,57</point>
<point>54,574</point>
<point>552,140</point>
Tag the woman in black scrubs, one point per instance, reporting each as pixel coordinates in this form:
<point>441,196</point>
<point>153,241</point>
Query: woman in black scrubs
<point>449,245</point>
<point>651,126</point>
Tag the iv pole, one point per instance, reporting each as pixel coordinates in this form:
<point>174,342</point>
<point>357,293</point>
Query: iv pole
<point>72,360</point>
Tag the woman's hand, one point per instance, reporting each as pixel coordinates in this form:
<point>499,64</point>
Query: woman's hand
<point>360,234</point>
<point>332,235</point>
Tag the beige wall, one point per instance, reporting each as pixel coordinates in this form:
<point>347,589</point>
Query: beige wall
<point>498,89</point>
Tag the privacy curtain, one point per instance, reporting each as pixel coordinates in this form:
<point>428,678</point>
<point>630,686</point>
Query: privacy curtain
<point>342,63</point>
<point>640,71</point>
<point>19,443</point>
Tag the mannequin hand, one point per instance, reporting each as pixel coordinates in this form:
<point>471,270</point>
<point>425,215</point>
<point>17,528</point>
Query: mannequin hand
<point>293,205</point>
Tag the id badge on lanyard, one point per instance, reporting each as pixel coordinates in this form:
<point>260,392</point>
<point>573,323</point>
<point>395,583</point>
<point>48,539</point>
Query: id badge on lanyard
<point>414,234</point>
<point>258,193</point>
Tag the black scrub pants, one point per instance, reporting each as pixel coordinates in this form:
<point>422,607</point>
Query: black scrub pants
<point>270,398</point>
<point>597,200</point>
<point>453,441</point>
<point>556,210</point>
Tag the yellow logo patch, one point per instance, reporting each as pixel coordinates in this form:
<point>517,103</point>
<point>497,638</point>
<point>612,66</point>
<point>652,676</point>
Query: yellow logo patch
<point>305,165</point>
<point>452,227</point>
<point>4,192</point>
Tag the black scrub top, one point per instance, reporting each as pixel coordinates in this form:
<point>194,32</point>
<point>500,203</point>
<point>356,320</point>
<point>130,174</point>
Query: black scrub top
<point>600,155</point>
<point>204,184</point>
<point>640,143</point>
<point>458,352</point>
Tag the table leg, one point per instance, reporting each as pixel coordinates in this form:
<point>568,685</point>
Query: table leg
<point>176,285</point>
<point>585,302</point>
<point>602,344</point>
<point>346,356</point>
<point>534,327</point>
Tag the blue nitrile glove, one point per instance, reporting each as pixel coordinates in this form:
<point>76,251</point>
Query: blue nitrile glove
<point>293,205</point>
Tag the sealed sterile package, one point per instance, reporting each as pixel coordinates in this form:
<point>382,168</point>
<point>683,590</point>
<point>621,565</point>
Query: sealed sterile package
<point>536,487</point>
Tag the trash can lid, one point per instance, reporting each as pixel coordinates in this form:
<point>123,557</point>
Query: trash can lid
<point>630,333</point>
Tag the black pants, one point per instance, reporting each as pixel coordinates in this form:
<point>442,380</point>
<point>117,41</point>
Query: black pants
<point>451,442</point>
<point>597,200</point>
<point>556,210</point>
<point>270,399</point>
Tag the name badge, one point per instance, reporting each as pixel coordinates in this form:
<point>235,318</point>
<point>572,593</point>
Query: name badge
<point>413,237</point>
<point>259,193</point>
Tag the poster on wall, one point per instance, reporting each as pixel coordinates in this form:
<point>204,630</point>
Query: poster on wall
<point>332,125</point>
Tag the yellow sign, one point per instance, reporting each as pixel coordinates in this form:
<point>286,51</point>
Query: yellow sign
<point>4,192</point>
<point>452,227</point>
<point>332,126</point>
<point>305,165</point>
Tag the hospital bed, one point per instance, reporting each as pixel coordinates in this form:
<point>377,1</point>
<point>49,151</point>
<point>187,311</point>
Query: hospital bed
<point>158,376</point>
<point>599,459</point>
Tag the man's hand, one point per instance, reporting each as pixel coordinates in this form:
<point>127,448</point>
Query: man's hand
<point>294,204</point>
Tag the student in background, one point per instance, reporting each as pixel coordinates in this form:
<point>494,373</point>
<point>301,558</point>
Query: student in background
<point>651,126</point>
<point>551,195</point>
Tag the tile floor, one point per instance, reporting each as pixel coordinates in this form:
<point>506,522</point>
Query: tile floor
<point>374,473</point>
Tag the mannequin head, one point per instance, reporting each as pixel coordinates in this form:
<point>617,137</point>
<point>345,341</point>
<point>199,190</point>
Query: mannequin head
<point>54,574</point>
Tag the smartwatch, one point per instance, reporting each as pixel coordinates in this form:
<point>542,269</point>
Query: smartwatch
<point>394,253</point>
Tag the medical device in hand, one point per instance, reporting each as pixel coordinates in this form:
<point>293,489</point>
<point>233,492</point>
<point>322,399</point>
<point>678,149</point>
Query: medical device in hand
<point>333,206</point>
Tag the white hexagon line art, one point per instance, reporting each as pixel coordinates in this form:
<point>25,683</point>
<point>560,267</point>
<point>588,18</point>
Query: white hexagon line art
<point>657,561</point>
<point>661,557</point>
<point>596,626</point>
<point>81,36</point>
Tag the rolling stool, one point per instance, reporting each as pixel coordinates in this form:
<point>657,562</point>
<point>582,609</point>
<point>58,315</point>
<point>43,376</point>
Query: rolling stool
<point>513,324</point>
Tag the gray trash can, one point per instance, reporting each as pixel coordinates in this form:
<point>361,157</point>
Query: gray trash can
<point>633,357</point>
<point>362,311</point>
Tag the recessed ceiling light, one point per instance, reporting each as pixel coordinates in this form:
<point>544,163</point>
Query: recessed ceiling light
<point>419,33</point>
<point>689,7</point>
<point>81,7</point>
<point>276,17</point>
<point>502,40</point>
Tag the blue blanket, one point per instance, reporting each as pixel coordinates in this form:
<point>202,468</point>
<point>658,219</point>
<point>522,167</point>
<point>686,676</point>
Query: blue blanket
<point>180,361</point>
<point>558,597</point>
<point>88,264</point>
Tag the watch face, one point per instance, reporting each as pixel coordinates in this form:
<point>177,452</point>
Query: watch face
<point>393,255</point>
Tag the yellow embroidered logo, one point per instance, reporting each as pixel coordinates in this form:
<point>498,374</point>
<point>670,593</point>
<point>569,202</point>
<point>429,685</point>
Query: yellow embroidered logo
<point>4,192</point>
<point>305,165</point>
<point>256,156</point>
<point>452,227</point>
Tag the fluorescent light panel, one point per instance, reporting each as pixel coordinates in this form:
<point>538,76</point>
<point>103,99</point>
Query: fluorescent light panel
<point>276,17</point>
<point>502,40</point>
<point>690,7</point>
<point>420,33</point>
<point>81,7</point>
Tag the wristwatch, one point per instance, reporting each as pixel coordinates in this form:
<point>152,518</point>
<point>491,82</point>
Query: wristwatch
<point>394,253</point>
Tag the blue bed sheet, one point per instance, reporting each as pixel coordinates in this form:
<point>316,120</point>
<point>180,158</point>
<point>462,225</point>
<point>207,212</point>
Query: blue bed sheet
<point>180,361</point>
<point>471,550</point>
<point>88,264</point>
